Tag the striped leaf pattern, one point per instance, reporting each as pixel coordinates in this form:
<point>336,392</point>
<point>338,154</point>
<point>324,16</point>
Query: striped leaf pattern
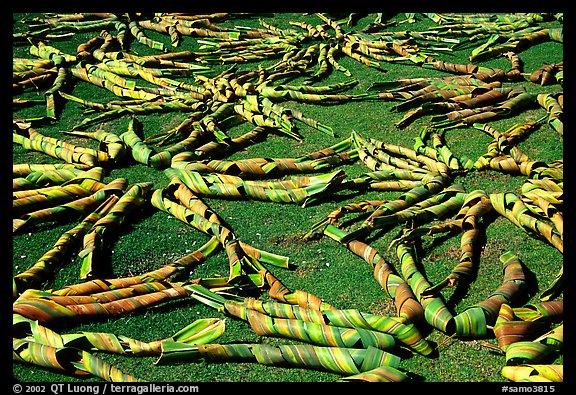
<point>193,155</point>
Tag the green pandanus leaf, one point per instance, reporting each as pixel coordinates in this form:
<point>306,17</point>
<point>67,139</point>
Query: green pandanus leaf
<point>476,204</point>
<point>435,207</point>
<point>141,152</point>
<point>474,321</point>
<point>49,306</point>
<point>407,306</point>
<point>266,167</point>
<point>435,311</point>
<point>534,373</point>
<point>67,359</point>
<point>71,210</point>
<point>523,352</point>
<point>513,208</point>
<point>399,156</point>
<point>134,197</point>
<point>377,375</point>
<point>83,74</point>
<point>406,334</point>
<point>310,332</point>
<point>60,150</point>
<point>84,184</point>
<point>526,322</point>
<point>201,331</point>
<point>515,103</point>
<point>555,111</point>
<point>299,190</point>
<point>544,197</point>
<point>332,359</point>
<point>552,311</point>
<point>39,179</point>
<point>499,44</point>
<point>44,267</point>
<point>111,142</point>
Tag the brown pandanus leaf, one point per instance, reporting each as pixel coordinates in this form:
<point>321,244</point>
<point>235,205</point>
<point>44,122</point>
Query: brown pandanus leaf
<point>48,307</point>
<point>474,321</point>
<point>515,73</point>
<point>525,323</point>
<point>281,293</point>
<point>476,204</point>
<point>407,306</point>
<point>546,75</point>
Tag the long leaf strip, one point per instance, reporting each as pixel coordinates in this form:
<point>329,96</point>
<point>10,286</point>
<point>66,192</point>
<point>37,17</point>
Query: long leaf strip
<point>310,332</point>
<point>47,307</point>
<point>513,208</point>
<point>476,204</point>
<point>39,179</point>
<point>30,201</point>
<point>474,321</point>
<point>200,331</point>
<point>435,311</point>
<point>407,306</point>
<point>71,210</point>
<point>67,359</point>
<point>44,267</point>
<point>332,359</point>
<point>92,243</point>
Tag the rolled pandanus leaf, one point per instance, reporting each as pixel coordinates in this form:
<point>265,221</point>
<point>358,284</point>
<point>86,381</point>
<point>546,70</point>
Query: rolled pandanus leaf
<point>525,323</point>
<point>503,109</point>
<point>25,169</point>
<point>407,334</point>
<point>544,197</point>
<point>476,204</point>
<point>201,331</point>
<point>548,74</point>
<point>408,308</point>
<point>534,373</point>
<point>39,179</point>
<point>70,210</point>
<point>446,201</point>
<point>46,307</point>
<point>61,150</point>
<point>44,267</point>
<point>84,184</point>
<point>298,190</point>
<point>141,152</point>
<point>513,208</point>
<point>555,111</point>
<point>134,198</point>
<point>344,361</point>
<point>475,320</point>
<point>310,332</point>
<point>68,360</point>
<point>436,312</point>
<point>270,167</point>
<point>120,91</point>
<point>525,352</point>
<point>109,142</point>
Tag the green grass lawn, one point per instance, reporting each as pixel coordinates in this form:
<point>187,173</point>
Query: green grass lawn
<point>321,266</point>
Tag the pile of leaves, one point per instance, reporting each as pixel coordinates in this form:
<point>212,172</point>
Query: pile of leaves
<point>256,88</point>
